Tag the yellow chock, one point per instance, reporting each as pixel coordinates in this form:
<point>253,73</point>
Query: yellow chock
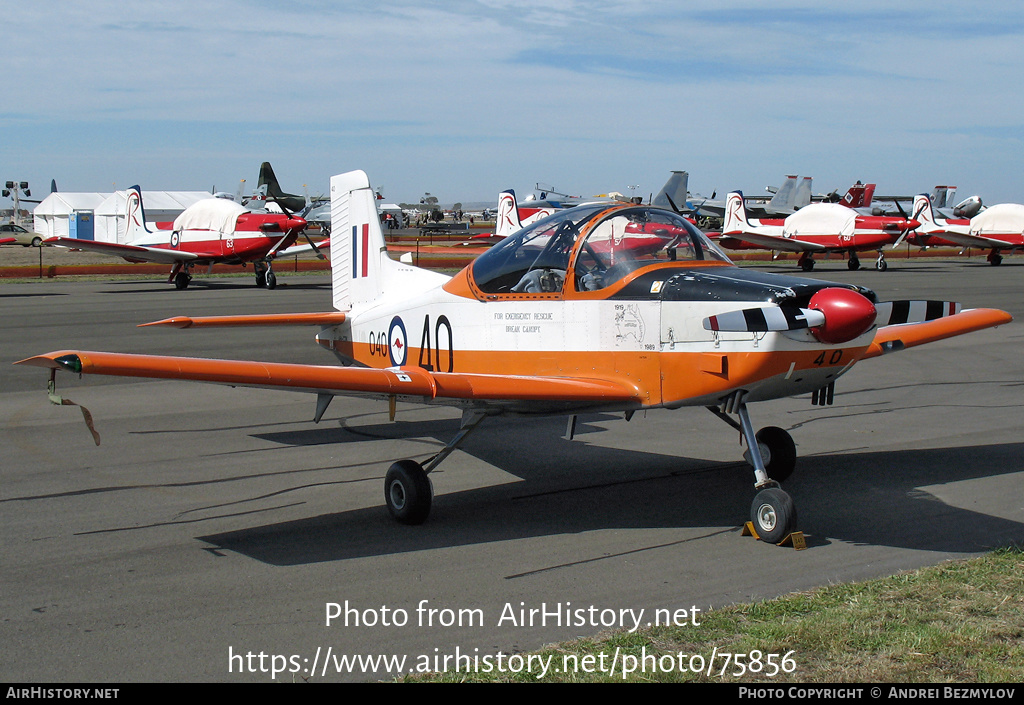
<point>795,539</point>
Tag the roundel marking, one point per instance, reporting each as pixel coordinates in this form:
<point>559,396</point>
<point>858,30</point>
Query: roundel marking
<point>398,342</point>
<point>174,238</point>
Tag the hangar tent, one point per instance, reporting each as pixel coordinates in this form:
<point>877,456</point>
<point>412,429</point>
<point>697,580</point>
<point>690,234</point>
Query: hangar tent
<point>58,212</point>
<point>159,206</point>
<point>64,214</point>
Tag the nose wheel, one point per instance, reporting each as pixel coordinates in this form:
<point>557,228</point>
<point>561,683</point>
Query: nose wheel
<point>773,513</point>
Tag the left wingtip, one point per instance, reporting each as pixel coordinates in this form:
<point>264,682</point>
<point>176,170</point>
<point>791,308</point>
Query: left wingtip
<point>173,322</point>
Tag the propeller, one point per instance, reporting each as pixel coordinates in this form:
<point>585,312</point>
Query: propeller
<point>905,233</point>
<point>833,316</point>
<point>290,214</point>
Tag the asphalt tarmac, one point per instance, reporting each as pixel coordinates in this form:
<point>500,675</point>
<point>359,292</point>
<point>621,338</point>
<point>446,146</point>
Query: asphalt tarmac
<point>214,529</point>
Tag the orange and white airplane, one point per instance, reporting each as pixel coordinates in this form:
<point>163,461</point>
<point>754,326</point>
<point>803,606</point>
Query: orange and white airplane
<point>998,228</point>
<point>210,231</point>
<point>819,227</point>
<point>604,307</point>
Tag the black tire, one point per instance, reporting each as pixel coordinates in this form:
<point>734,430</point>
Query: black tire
<point>807,265</point>
<point>853,264</point>
<point>37,242</point>
<point>261,279</point>
<point>881,265</point>
<point>781,452</point>
<point>407,492</point>
<point>271,280</point>
<point>181,280</point>
<point>995,260</point>
<point>773,515</point>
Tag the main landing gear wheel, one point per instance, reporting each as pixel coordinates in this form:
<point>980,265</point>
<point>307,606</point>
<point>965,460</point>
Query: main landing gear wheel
<point>853,263</point>
<point>807,264</point>
<point>778,452</point>
<point>995,259</point>
<point>181,280</point>
<point>408,492</point>
<point>773,515</point>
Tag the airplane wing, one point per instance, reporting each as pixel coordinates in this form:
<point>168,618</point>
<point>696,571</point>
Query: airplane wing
<point>132,253</point>
<point>973,240</point>
<point>775,242</point>
<point>483,390</point>
<point>301,249</point>
<point>908,335</point>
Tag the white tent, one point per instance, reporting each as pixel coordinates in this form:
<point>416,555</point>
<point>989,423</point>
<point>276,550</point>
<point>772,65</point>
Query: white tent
<point>53,216</point>
<point>159,206</point>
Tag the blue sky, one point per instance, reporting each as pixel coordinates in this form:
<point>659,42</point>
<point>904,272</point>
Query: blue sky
<point>465,98</point>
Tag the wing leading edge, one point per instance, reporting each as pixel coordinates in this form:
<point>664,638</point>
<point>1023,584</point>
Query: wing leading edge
<point>486,390</point>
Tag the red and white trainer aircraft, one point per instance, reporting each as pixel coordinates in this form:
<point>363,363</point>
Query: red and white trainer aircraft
<point>211,231</point>
<point>817,228</point>
<point>998,228</point>
<point>580,312</point>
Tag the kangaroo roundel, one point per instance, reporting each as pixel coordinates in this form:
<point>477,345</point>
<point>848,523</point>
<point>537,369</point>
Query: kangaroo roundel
<point>397,342</point>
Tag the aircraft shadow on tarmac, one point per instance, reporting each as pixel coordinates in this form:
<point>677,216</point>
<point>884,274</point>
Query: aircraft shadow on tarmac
<point>571,487</point>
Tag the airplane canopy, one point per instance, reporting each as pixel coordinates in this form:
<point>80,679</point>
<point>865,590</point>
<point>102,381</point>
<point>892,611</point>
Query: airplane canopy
<point>215,214</point>
<point>1002,218</point>
<point>821,219</point>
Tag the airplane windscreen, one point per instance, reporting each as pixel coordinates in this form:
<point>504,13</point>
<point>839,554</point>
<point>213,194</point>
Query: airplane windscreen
<point>630,239</point>
<point>536,258</point>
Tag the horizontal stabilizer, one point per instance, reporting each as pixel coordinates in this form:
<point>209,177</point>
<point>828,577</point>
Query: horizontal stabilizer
<point>332,318</point>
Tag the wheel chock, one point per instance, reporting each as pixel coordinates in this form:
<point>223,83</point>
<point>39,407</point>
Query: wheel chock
<point>795,539</point>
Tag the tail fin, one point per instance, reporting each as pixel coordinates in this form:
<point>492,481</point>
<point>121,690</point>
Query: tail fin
<point>268,178</point>
<point>803,193</point>
<point>135,216</point>
<point>361,271</point>
<point>859,195</point>
<point>508,215</point>
<point>783,198</point>
<point>735,214</point>
<point>924,214</point>
<point>673,193</point>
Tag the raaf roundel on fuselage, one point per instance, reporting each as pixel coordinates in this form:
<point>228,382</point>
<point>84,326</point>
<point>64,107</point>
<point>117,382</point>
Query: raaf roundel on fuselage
<point>611,307</point>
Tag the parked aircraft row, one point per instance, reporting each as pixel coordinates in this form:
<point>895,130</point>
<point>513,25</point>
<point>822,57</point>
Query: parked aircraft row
<point>610,307</point>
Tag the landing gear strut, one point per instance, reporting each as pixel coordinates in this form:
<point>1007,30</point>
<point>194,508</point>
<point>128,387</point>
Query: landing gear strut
<point>408,491</point>
<point>264,274</point>
<point>772,513</point>
<point>180,276</point>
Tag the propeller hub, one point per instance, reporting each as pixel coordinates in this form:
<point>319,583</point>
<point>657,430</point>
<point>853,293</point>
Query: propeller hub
<point>848,314</point>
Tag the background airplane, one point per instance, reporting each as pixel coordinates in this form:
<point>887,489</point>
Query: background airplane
<point>817,228</point>
<point>604,307</point>
<point>998,228</point>
<point>211,231</point>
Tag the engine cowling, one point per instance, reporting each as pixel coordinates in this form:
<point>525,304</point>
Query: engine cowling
<point>848,314</point>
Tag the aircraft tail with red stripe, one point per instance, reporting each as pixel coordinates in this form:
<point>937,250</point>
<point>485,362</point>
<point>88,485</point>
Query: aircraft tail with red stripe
<point>361,270</point>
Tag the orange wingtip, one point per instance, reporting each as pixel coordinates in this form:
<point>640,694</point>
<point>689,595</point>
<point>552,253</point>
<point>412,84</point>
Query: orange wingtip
<point>268,319</point>
<point>900,337</point>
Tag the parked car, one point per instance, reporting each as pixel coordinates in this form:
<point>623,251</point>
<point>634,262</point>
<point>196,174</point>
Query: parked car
<point>23,237</point>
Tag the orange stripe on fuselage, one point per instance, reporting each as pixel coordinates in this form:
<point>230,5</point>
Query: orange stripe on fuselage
<point>665,378</point>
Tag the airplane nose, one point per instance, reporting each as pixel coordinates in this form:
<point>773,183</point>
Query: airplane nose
<point>847,315</point>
